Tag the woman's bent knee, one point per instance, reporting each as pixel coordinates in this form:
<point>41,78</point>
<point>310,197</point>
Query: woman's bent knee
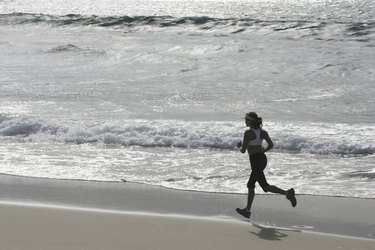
<point>266,188</point>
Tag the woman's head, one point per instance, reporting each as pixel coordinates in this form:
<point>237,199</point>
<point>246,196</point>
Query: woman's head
<point>253,120</point>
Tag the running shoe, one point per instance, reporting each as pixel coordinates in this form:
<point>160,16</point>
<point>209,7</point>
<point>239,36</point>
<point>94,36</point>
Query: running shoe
<point>245,213</point>
<point>290,195</point>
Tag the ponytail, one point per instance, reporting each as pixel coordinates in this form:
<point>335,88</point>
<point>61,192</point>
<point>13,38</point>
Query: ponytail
<point>254,119</point>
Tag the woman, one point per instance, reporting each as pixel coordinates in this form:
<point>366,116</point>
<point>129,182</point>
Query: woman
<point>252,142</point>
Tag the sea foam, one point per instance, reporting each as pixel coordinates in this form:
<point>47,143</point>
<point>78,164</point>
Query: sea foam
<point>339,139</point>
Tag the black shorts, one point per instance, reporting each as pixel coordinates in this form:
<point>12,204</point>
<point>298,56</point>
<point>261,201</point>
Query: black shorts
<point>258,164</point>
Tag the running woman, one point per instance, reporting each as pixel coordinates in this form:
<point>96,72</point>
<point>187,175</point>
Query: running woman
<point>252,142</point>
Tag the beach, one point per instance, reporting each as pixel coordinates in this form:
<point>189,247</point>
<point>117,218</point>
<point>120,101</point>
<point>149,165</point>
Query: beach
<point>65,214</point>
<point>119,122</point>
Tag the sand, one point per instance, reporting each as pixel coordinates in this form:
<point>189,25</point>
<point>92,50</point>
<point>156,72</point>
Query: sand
<point>49,214</point>
<point>35,227</point>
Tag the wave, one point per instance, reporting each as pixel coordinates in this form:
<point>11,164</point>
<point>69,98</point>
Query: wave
<point>110,21</point>
<point>338,139</point>
<point>204,23</point>
<point>74,49</point>
<point>361,174</point>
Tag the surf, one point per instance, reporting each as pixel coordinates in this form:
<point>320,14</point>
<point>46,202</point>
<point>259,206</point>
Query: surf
<point>302,28</point>
<point>339,139</point>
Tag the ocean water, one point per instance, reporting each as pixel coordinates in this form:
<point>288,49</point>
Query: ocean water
<point>155,92</point>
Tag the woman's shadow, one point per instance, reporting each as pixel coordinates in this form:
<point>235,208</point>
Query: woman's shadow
<point>270,233</point>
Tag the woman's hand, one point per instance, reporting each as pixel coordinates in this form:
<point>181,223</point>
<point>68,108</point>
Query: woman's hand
<point>239,145</point>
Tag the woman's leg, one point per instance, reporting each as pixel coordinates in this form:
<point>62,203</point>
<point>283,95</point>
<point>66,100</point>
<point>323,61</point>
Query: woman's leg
<point>274,189</point>
<point>246,211</point>
<point>250,198</point>
<point>290,194</point>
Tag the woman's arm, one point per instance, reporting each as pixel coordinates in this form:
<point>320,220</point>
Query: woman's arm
<point>267,138</point>
<point>245,141</point>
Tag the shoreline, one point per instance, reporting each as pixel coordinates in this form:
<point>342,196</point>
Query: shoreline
<point>347,217</point>
<point>171,188</point>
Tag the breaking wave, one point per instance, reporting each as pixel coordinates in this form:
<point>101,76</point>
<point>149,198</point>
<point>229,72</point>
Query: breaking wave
<point>204,23</point>
<point>338,139</point>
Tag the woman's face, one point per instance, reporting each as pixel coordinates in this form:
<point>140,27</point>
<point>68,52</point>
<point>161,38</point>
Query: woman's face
<point>247,123</point>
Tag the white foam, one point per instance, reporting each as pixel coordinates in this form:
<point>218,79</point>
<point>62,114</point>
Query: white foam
<point>315,138</point>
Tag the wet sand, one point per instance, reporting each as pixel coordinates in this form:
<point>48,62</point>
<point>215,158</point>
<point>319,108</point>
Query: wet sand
<point>58,214</point>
